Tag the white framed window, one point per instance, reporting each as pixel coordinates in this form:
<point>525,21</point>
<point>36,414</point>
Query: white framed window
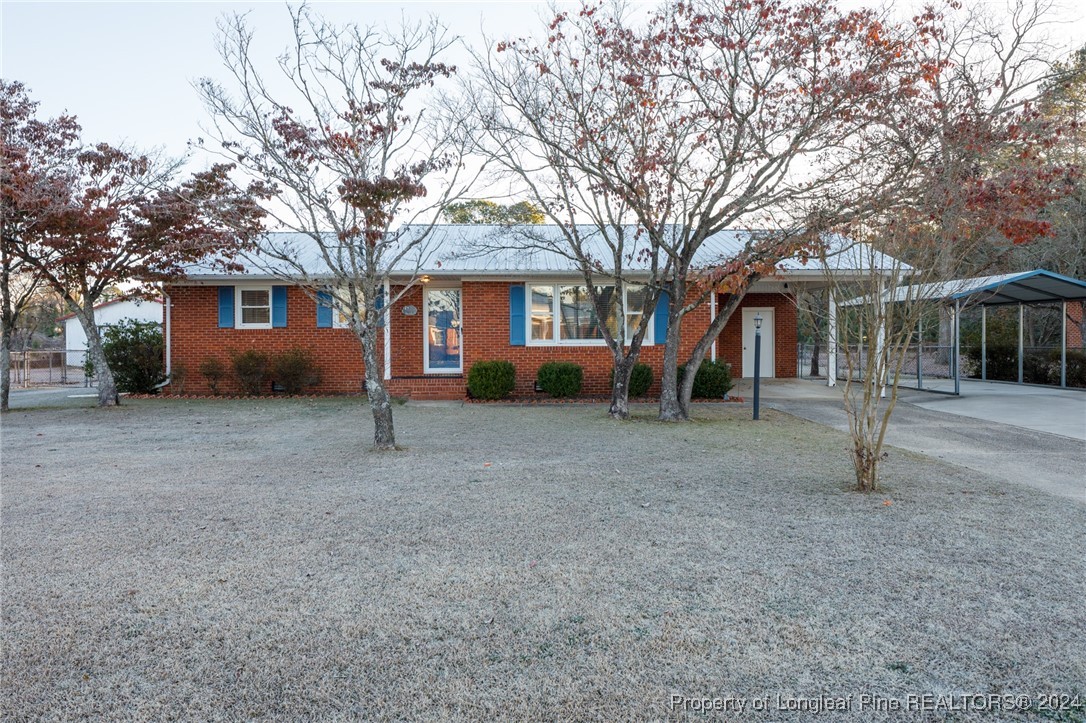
<point>563,314</point>
<point>254,307</point>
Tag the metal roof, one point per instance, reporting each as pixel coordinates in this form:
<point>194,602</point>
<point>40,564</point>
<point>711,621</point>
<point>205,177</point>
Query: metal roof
<point>1028,287</point>
<point>1025,288</point>
<point>532,250</point>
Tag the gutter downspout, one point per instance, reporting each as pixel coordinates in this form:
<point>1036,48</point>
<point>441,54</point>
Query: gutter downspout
<point>169,349</point>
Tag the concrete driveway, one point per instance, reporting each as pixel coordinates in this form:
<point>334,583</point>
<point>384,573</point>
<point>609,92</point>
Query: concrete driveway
<point>54,397</point>
<point>1045,409</point>
<point>1042,447</point>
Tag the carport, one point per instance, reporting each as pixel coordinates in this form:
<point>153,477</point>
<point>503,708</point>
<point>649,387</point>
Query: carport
<point>1020,290</point>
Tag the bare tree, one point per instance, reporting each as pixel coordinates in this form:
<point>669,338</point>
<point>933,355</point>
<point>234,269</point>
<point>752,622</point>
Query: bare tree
<point>977,108</point>
<point>354,143</point>
<point>540,105</point>
<point>699,118</point>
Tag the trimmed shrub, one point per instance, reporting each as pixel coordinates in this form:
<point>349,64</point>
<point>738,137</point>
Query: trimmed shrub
<point>640,379</point>
<point>213,371</point>
<point>294,370</point>
<point>1002,361</point>
<point>711,381</point>
<point>178,375</point>
<point>1076,368</point>
<point>251,369</point>
<point>491,379</point>
<point>560,379</point>
<point>134,352</point>
<point>1041,368</point>
<point>1037,367</point>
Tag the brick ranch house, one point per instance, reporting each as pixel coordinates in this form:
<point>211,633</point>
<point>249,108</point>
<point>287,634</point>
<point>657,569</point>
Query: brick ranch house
<point>524,306</point>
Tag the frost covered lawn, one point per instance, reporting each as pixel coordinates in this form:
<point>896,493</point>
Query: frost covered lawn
<point>226,560</point>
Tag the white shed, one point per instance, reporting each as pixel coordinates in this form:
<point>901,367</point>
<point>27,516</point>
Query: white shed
<point>107,314</point>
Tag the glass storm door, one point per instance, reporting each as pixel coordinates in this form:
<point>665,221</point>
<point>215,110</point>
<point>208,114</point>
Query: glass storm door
<point>443,331</point>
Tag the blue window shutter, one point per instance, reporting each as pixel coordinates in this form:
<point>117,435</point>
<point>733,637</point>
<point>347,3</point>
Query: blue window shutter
<point>659,320</point>
<point>517,321</point>
<point>279,306</point>
<point>226,307</point>
<point>380,307</point>
<point>324,310</point>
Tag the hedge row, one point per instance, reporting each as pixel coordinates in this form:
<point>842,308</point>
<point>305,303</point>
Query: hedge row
<point>1037,367</point>
<point>497,379</point>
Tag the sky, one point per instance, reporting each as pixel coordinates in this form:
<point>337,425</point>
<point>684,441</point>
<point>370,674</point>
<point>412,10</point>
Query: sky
<point>126,69</point>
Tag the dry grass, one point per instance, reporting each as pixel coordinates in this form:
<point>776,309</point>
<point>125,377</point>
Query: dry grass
<point>226,560</point>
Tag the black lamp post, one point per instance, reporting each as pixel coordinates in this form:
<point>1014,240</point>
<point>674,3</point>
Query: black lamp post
<point>757,360</point>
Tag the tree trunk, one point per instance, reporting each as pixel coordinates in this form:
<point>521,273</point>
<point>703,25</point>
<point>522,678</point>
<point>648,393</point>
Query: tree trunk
<point>671,408</point>
<point>686,388</point>
<point>5,362</point>
<point>620,388</point>
<point>8,315</point>
<point>384,434</point>
<point>866,463</point>
<point>867,426</point>
<point>701,348</point>
<point>107,387</point>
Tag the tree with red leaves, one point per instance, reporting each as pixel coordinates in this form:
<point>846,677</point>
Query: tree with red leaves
<point>34,164</point>
<point>704,117</point>
<point>110,217</point>
<point>354,142</point>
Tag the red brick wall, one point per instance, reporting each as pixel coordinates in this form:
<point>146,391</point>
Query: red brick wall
<point>729,345</point>
<point>195,336</point>
<point>1074,323</point>
<point>486,332</point>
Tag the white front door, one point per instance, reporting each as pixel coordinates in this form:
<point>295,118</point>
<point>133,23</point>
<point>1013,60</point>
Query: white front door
<point>768,345</point>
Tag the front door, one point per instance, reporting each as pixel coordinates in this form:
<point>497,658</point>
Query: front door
<point>442,332</point>
<point>768,345</point>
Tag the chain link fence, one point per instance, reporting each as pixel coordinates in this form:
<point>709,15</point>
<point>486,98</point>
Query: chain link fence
<point>931,366</point>
<point>922,363</point>
<point>47,369</point>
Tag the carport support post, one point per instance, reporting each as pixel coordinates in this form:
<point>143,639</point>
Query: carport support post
<point>957,346</point>
<point>1063,343</point>
<point>920,352</point>
<point>984,342</point>
<point>831,335</point>
<point>1021,338</point>
<point>880,348</point>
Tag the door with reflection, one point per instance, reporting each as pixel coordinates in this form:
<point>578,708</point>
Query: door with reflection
<point>443,330</point>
